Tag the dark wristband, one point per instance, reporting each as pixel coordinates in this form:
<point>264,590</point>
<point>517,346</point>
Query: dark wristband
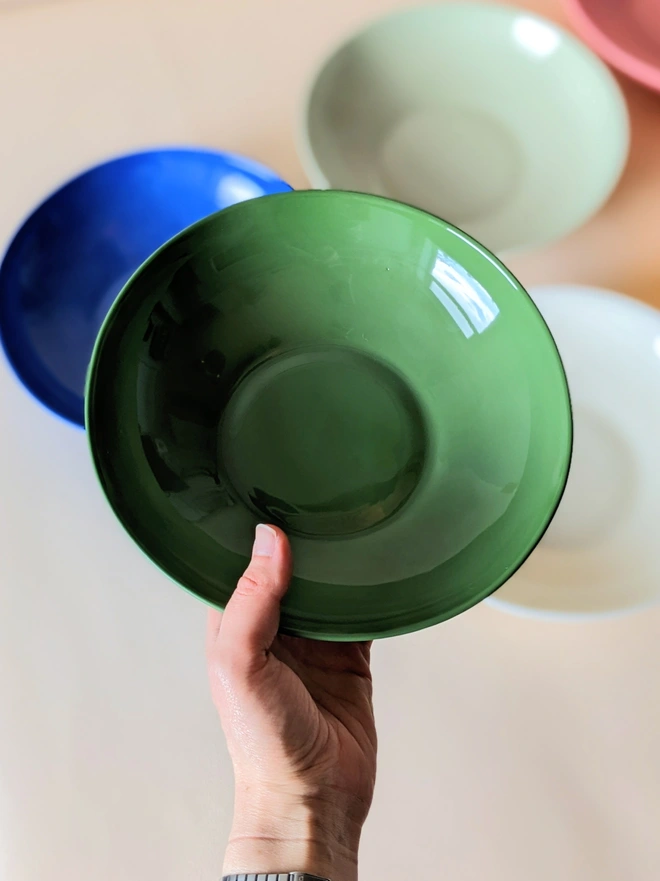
<point>274,876</point>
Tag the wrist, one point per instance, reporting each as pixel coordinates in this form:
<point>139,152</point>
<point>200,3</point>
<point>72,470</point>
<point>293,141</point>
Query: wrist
<point>267,855</point>
<point>279,833</point>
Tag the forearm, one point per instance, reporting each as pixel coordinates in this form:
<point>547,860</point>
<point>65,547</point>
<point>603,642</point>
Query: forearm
<point>275,834</point>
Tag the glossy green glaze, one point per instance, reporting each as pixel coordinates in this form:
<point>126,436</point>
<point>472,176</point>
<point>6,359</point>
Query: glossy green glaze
<point>353,369</point>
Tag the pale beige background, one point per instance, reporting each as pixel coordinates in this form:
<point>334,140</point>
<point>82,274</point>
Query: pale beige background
<point>510,750</point>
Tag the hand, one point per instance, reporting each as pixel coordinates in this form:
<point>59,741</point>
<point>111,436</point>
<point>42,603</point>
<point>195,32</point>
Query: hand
<point>298,719</point>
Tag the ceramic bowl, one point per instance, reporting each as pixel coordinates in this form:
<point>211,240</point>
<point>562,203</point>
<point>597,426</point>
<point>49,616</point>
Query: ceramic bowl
<point>355,370</point>
<point>600,556</point>
<point>488,116</point>
<point>73,254</point>
<point>626,33</point>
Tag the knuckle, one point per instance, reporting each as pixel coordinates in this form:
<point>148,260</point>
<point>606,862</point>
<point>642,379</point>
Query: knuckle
<point>250,584</point>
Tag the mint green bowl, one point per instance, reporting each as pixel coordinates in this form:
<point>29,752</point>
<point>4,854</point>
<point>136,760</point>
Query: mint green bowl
<point>355,370</point>
<point>490,116</point>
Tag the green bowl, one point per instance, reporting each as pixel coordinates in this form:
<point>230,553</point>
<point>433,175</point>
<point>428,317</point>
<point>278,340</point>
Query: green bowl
<point>355,370</point>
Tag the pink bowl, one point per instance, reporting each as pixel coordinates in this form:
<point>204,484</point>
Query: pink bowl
<point>625,33</point>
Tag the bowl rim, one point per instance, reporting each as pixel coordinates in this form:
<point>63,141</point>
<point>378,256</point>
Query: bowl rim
<point>618,104</point>
<point>632,66</point>
<point>329,635</point>
<point>16,371</point>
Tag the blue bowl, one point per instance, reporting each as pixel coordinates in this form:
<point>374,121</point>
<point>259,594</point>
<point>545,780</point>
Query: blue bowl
<point>74,253</point>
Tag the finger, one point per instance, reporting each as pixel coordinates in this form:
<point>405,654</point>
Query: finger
<point>365,648</point>
<point>213,622</point>
<point>252,616</point>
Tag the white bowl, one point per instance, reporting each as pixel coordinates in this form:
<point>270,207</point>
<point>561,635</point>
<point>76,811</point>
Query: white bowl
<point>487,116</point>
<point>601,554</point>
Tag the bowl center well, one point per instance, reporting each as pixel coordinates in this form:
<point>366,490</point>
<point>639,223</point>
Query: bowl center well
<point>323,441</point>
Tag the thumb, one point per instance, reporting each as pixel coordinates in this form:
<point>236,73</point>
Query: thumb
<point>252,615</point>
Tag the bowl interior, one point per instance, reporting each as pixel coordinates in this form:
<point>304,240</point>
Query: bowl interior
<point>352,369</point>
<point>488,116</point>
<point>599,555</point>
<point>631,30</point>
<point>76,251</point>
